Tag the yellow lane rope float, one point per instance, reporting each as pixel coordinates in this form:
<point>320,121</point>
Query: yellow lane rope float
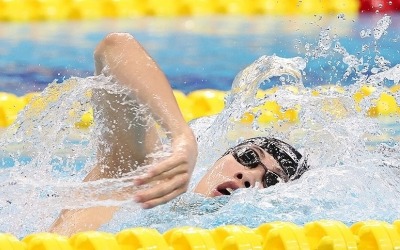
<point>206,102</point>
<point>33,10</point>
<point>321,234</point>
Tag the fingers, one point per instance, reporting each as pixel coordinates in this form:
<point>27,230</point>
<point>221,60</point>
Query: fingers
<point>161,200</point>
<point>166,169</point>
<point>163,192</point>
<point>171,175</point>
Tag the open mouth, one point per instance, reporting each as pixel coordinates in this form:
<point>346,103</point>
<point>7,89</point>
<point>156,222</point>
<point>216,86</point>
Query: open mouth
<point>227,188</point>
<point>226,191</point>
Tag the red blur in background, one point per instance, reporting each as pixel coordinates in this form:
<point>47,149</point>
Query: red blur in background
<point>381,6</point>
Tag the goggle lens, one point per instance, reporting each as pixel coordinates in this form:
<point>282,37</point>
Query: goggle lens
<point>270,179</point>
<point>248,158</point>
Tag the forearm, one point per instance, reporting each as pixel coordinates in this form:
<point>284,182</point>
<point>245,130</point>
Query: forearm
<point>80,220</point>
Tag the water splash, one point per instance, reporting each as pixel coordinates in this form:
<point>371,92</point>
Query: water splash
<point>381,27</point>
<point>241,98</point>
<point>48,157</point>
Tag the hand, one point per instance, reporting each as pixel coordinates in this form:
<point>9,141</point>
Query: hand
<point>169,178</point>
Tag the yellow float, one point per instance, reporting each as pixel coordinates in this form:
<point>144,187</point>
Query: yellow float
<point>278,235</point>
<point>10,106</point>
<point>43,10</point>
<point>385,105</point>
<point>363,92</point>
<point>141,238</point>
<point>47,241</point>
<point>185,105</point>
<point>206,102</point>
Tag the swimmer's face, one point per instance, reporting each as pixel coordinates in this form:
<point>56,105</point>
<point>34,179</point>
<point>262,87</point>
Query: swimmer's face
<point>230,173</point>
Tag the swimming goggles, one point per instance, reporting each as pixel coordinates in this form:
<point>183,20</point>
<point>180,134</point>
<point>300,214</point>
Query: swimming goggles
<point>248,157</point>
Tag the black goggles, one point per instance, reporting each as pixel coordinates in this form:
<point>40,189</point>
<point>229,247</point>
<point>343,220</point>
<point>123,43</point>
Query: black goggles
<point>248,157</point>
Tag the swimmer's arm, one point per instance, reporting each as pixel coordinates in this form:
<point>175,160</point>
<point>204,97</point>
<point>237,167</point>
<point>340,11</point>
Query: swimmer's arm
<point>128,62</point>
<point>80,220</point>
<point>121,56</point>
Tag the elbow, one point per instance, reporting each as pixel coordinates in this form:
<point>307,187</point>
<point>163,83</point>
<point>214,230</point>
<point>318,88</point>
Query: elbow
<point>113,42</point>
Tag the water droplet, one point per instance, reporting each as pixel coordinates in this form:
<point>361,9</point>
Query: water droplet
<point>341,16</point>
<point>374,70</point>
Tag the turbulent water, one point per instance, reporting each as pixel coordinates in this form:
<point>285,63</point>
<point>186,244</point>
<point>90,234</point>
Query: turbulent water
<point>355,167</point>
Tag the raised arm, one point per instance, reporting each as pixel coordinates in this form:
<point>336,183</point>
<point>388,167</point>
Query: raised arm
<point>128,141</point>
<point>121,56</point>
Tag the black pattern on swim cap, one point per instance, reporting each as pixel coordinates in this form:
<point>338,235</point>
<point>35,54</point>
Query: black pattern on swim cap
<point>290,160</point>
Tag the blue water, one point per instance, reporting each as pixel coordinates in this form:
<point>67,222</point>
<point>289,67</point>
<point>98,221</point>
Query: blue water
<point>195,53</point>
<point>355,157</point>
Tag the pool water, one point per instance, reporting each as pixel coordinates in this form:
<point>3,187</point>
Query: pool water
<point>211,51</point>
<point>354,157</point>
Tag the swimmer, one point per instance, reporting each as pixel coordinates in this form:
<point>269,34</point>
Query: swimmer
<point>126,142</point>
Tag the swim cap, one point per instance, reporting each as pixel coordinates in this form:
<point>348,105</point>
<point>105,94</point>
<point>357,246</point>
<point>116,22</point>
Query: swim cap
<point>291,161</point>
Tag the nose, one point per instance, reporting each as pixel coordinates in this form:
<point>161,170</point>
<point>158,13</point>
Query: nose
<point>245,179</point>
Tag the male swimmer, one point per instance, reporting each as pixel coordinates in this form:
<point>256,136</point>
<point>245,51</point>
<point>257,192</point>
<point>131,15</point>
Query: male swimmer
<point>256,162</point>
